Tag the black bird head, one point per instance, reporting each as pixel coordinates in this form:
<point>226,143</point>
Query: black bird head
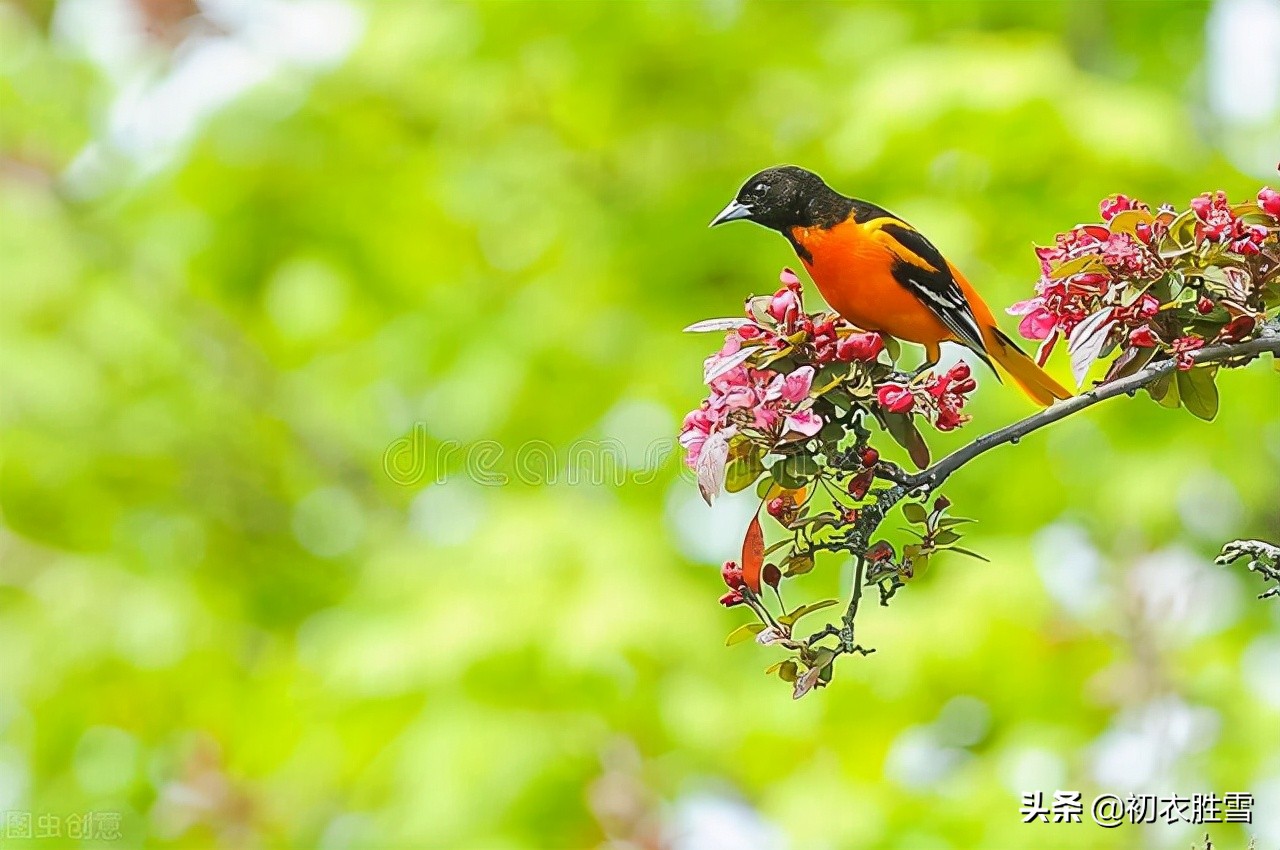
<point>785,197</point>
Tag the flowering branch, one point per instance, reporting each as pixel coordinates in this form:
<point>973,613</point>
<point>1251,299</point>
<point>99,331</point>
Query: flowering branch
<point>794,396</point>
<point>1267,341</point>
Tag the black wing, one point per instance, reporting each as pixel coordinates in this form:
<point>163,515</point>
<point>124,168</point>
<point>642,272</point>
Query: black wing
<point>935,286</point>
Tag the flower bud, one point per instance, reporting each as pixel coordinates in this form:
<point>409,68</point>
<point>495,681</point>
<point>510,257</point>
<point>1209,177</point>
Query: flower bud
<point>777,507</point>
<point>968,385</point>
<point>1269,200</point>
<point>861,483</point>
<point>749,331</point>
<point>863,347</point>
<point>851,516</point>
<point>732,575</point>
<point>941,503</point>
<point>1143,337</point>
<point>1204,305</point>
<point>869,456</point>
<point>731,598</point>
<point>1148,305</point>
<point>960,371</point>
<point>879,551</point>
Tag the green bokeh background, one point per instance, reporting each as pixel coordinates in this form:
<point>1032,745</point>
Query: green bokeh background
<point>221,617</point>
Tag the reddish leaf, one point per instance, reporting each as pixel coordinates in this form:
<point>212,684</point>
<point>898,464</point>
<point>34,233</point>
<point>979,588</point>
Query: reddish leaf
<point>753,555</point>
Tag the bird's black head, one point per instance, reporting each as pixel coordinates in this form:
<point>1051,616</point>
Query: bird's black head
<point>785,197</point>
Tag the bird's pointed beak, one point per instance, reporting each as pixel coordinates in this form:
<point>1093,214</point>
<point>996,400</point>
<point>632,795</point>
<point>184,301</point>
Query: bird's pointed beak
<point>733,212</point>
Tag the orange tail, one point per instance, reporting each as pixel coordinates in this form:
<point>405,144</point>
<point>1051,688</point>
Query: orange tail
<point>1035,382</point>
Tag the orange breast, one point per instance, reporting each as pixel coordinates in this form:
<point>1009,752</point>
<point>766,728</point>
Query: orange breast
<point>853,273</point>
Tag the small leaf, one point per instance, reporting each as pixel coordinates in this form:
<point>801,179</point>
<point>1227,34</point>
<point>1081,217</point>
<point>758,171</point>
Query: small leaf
<point>798,564</point>
<point>1079,265</point>
<point>788,671</point>
<point>1129,363</point>
<point>948,521</point>
<point>790,619</point>
<point>945,537</point>
<point>707,325</point>
<point>969,552</point>
<point>904,431</point>
<point>915,513</point>
<point>743,472</point>
<point>1198,392</point>
<point>744,632</point>
<point>752,560</point>
<point>1128,221</point>
<point>1087,341</point>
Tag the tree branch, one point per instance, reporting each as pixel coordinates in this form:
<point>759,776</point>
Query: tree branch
<point>1268,340</point>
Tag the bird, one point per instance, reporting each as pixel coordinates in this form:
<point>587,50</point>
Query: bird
<point>881,274</point>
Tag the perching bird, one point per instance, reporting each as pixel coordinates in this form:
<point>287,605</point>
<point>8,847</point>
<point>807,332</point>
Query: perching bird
<point>880,273</point>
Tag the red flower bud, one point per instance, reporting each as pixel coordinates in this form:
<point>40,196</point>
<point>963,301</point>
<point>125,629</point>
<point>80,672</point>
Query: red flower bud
<point>1143,337</point>
<point>941,503</point>
<point>732,575</point>
<point>879,551</point>
<point>1148,305</point>
<point>731,598</point>
<point>895,398</point>
<point>862,347</point>
<point>1269,200</point>
<point>851,516</point>
<point>1237,329</point>
<point>861,483</point>
<point>1204,305</point>
<point>777,507</point>
<point>960,371</point>
<point>748,331</point>
<point>869,456</point>
<point>968,385</point>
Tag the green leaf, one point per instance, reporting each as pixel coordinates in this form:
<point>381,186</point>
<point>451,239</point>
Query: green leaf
<point>1128,221</point>
<point>1165,391</point>
<point>1199,392</point>
<point>795,615</point>
<point>798,564</point>
<point>744,632</point>
<point>969,552</point>
<point>945,537</point>
<point>893,347</point>
<point>915,513</point>
<point>800,467</point>
<point>949,521</point>
<point>789,671</point>
<point>903,430</point>
<point>743,472</point>
<point>1085,263</point>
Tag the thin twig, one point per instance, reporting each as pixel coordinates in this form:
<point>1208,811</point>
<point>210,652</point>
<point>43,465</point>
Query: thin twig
<point>933,477</point>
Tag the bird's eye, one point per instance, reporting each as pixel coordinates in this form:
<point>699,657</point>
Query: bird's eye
<point>760,188</point>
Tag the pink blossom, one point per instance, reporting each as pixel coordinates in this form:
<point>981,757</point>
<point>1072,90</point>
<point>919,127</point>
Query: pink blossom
<point>1037,324</point>
<point>1183,348</point>
<point>1216,221</point>
<point>1143,337</point>
<point>789,279</point>
<point>1116,204</point>
<point>804,422</point>
<point>793,387</point>
<point>864,347</point>
<point>1269,200</point>
<point>784,307</point>
<point>1148,305</point>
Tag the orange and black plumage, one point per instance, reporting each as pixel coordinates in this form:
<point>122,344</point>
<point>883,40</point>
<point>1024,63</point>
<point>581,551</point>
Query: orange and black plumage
<point>881,274</point>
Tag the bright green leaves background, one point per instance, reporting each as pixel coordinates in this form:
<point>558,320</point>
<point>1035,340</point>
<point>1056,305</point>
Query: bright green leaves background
<point>221,617</point>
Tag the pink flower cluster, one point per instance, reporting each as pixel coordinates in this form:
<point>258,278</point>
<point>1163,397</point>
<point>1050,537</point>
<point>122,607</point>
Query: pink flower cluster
<point>742,397</point>
<point>1216,222</point>
<point>1063,302</point>
<point>941,398</point>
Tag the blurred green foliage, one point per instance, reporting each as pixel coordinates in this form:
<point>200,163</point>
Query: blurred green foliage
<point>221,617</point>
